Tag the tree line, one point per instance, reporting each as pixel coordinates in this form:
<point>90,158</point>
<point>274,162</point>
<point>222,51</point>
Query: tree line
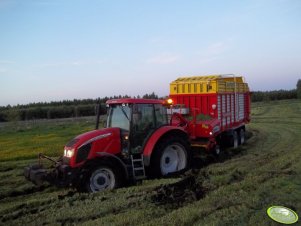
<point>87,107</point>
<point>59,109</point>
<point>259,96</point>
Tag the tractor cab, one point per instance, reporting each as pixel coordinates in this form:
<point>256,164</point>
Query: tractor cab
<point>137,119</point>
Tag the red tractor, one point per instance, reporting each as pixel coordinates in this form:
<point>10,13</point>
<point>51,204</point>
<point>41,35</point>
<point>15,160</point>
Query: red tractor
<point>140,140</point>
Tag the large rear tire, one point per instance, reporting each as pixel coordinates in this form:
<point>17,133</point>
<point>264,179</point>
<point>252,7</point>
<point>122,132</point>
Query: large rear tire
<point>170,156</point>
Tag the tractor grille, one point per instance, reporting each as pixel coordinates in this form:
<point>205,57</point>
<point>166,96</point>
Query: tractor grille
<point>83,152</point>
<point>66,160</point>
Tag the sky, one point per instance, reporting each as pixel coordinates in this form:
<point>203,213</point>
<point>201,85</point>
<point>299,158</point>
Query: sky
<point>53,50</point>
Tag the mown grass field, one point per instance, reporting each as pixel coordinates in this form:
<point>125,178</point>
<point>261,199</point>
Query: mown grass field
<point>236,190</point>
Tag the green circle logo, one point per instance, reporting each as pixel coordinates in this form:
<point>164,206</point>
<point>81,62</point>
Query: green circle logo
<point>282,214</point>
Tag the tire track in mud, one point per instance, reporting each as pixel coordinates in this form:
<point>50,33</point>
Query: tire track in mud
<point>266,139</point>
<point>24,209</point>
<point>23,192</point>
<point>265,147</point>
<point>194,185</point>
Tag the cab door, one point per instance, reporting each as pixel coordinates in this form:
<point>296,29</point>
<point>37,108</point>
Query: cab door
<point>143,124</point>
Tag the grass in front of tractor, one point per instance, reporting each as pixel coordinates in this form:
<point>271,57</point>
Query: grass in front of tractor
<point>24,140</point>
<point>237,190</point>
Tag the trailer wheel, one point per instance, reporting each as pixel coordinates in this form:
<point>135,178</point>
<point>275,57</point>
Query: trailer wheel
<point>101,178</point>
<point>235,139</point>
<point>170,156</point>
<point>217,150</point>
<point>242,138</point>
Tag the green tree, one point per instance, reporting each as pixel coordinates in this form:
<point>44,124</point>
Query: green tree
<point>150,96</point>
<point>13,115</point>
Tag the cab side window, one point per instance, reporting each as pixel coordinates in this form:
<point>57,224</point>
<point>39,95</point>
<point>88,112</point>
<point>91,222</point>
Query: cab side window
<point>161,116</point>
<point>143,117</point>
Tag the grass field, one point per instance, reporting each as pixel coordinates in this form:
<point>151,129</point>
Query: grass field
<point>236,190</point>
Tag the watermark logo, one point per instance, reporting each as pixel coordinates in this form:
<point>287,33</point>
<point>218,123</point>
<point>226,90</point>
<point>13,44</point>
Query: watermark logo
<point>282,214</point>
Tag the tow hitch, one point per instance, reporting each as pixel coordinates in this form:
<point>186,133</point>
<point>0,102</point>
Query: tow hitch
<point>59,174</point>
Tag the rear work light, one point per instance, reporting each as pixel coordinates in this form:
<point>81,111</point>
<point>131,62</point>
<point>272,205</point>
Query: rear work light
<point>169,101</point>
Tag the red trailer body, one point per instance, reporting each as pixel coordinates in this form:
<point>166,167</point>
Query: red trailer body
<point>212,104</point>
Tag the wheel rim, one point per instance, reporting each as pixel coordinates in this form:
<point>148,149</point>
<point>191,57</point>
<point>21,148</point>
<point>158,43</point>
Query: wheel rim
<point>173,159</point>
<point>102,179</point>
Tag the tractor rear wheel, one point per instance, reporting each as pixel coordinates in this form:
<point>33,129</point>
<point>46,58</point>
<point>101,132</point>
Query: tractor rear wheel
<point>170,156</point>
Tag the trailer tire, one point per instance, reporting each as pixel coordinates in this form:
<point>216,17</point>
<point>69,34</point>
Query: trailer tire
<point>217,151</point>
<point>242,137</point>
<point>235,139</point>
<point>170,156</point>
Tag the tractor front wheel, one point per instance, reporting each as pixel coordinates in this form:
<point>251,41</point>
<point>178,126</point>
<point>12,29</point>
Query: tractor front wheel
<point>102,178</point>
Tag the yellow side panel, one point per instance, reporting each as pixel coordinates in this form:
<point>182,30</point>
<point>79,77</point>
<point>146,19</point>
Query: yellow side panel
<point>208,84</point>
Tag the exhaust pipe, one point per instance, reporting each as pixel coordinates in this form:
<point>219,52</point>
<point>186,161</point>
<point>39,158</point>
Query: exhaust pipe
<point>98,109</point>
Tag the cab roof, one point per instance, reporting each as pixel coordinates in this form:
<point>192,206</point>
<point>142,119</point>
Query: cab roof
<point>134,101</point>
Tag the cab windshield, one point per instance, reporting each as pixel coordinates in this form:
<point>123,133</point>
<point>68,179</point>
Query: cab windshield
<point>119,116</point>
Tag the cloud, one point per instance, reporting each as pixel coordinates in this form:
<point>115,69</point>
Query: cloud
<point>158,40</point>
<point>50,65</point>
<point>45,3</point>
<point>213,52</point>
<point>3,70</point>
<point>216,48</point>
<point>70,63</point>
<point>164,58</point>
<point>208,60</point>
<point>4,65</point>
<point>6,62</point>
<point>7,4</point>
<point>77,63</point>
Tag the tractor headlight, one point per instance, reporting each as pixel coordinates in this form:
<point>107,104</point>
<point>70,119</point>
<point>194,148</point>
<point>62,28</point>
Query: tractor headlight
<point>69,153</point>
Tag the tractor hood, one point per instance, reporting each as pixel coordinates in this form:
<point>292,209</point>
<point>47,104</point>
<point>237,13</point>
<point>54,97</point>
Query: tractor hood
<point>88,145</point>
<point>94,135</point>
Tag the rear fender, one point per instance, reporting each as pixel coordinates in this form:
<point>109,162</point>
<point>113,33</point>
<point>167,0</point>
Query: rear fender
<point>156,137</point>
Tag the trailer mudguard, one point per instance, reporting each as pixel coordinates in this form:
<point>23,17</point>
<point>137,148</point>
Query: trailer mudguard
<point>156,136</point>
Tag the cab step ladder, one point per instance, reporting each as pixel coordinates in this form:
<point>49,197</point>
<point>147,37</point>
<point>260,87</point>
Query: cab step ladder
<point>138,167</point>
